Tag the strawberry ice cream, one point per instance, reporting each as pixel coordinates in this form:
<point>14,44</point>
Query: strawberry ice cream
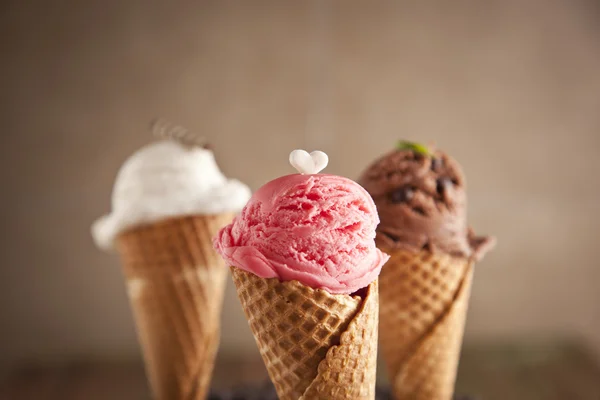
<point>317,229</point>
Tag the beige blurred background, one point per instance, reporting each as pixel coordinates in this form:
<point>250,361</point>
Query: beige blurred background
<point>510,88</point>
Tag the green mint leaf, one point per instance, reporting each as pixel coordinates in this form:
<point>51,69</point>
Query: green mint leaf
<point>416,147</point>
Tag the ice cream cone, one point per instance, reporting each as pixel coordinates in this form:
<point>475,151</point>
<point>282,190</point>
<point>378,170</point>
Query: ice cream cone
<point>420,193</point>
<point>424,298</point>
<point>175,283</point>
<point>305,265</point>
<point>315,345</point>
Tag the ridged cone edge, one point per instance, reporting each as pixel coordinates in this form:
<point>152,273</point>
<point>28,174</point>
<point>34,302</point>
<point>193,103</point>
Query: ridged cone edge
<point>349,370</point>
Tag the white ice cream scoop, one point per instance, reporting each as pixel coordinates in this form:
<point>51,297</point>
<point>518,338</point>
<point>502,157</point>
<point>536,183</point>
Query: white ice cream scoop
<point>167,179</point>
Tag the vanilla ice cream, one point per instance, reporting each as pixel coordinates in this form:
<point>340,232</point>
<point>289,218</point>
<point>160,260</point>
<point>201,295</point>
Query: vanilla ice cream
<point>167,179</point>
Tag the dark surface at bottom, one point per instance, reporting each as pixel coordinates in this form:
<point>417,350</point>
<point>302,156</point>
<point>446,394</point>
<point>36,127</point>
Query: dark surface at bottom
<point>266,391</point>
<point>531,370</point>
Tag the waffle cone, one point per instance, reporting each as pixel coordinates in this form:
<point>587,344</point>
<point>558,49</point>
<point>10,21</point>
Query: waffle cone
<point>175,283</point>
<point>315,345</point>
<point>424,299</point>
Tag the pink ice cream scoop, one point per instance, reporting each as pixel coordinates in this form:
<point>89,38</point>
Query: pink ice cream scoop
<point>317,229</point>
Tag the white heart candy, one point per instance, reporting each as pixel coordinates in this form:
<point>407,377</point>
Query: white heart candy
<point>306,163</point>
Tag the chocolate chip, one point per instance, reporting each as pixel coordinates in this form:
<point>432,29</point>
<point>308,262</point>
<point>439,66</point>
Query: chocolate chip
<point>419,210</point>
<point>391,236</point>
<point>436,163</point>
<point>402,194</point>
<point>442,184</point>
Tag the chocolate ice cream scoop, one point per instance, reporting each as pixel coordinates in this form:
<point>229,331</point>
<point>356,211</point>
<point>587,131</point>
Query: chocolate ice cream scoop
<point>421,200</point>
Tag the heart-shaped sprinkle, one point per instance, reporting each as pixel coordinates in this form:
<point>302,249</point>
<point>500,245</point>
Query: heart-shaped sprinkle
<point>306,163</point>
